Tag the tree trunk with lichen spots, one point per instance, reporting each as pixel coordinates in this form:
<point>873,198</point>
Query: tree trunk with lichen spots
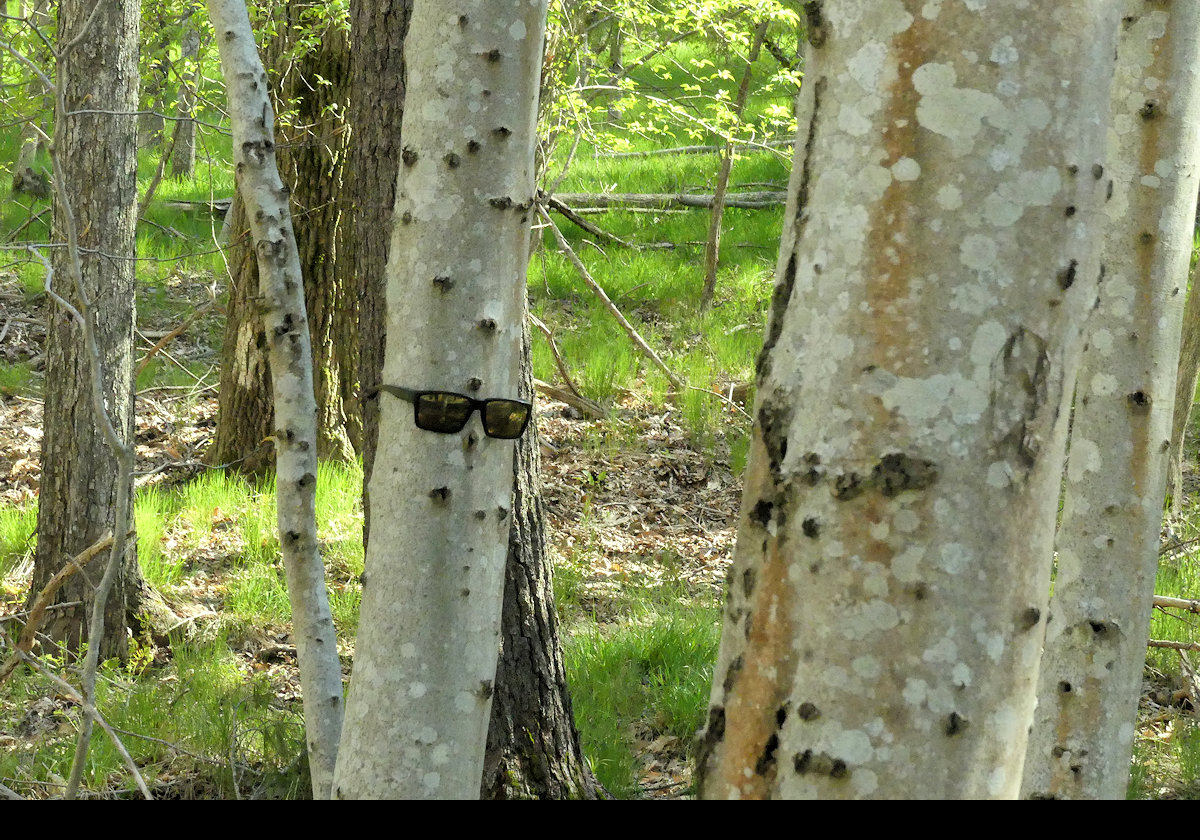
<point>533,748</point>
<point>418,711</point>
<point>1108,536</point>
<point>885,608</point>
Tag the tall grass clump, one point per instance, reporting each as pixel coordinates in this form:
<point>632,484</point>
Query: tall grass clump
<point>649,677</point>
<point>18,536</point>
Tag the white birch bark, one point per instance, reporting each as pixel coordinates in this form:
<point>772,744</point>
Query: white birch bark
<point>417,714</point>
<point>282,288</point>
<point>885,610</point>
<point>1108,538</point>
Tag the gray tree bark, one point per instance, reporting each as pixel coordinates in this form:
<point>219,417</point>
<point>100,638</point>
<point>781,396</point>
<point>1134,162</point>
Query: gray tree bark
<point>885,609</point>
<point>96,151</point>
<point>418,711</point>
<point>1095,648</point>
<point>183,148</point>
<point>295,435</point>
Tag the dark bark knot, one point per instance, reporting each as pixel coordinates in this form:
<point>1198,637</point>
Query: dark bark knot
<point>820,763</point>
<point>256,150</point>
<point>474,384</point>
<point>956,724</point>
<point>443,283</point>
<point>1140,401</point>
<point>473,146</point>
<point>897,472</point>
<point>502,132</point>
<point>761,513</point>
<point>1030,618</point>
<point>440,494</point>
<point>1066,277</point>
<point>808,711</point>
<point>408,156</point>
<point>452,160</point>
<point>488,325</point>
<point>1149,111</point>
<point>847,486</point>
<point>766,761</point>
<point>501,202</point>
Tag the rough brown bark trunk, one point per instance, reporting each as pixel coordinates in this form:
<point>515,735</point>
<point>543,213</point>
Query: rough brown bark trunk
<point>312,146</point>
<point>244,414</point>
<point>533,749</point>
<point>97,154</point>
<point>376,109</point>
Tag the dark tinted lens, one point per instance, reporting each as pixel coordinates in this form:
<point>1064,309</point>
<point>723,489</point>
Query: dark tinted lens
<point>442,411</point>
<point>505,418</point>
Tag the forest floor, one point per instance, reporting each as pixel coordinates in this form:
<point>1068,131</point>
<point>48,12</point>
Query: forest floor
<point>630,500</point>
<point>643,504</point>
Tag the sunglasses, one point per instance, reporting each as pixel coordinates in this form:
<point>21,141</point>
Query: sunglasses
<point>447,412</point>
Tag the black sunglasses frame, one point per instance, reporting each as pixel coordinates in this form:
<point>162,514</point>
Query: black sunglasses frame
<point>414,396</point>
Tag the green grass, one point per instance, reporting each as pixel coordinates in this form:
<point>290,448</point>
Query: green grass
<point>201,703</point>
<point>17,536</point>
<point>652,673</point>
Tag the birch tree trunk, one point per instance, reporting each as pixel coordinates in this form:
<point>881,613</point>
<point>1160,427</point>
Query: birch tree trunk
<point>885,609</point>
<point>282,289</point>
<point>1108,538</point>
<point>417,716</point>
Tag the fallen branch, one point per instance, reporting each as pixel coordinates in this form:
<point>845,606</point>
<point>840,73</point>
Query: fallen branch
<point>565,247</point>
<point>558,359</point>
<point>1164,602</point>
<point>729,401</point>
<point>758,200</point>
<point>556,205</point>
<point>216,206</point>
<point>699,150</point>
<point>574,400</point>
<point>171,336</point>
<point>1163,643</point>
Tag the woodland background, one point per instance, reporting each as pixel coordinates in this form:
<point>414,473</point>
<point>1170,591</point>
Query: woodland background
<point>662,126</point>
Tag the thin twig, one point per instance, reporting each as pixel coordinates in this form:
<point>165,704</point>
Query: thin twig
<point>633,334</point>
<point>558,359</point>
<point>38,611</point>
<point>90,713</point>
<point>197,312</point>
<point>1163,602</point>
<point>1163,643</point>
<point>729,402</point>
